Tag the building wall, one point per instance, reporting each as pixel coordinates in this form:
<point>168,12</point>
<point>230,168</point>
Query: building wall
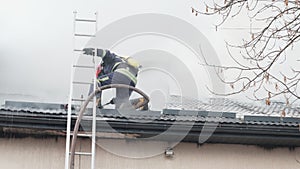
<point>33,153</point>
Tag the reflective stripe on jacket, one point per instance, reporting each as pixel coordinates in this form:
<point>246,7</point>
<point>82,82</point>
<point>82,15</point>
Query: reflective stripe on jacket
<point>126,72</point>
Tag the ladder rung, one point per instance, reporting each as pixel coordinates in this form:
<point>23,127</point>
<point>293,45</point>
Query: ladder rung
<point>82,66</point>
<point>82,135</point>
<point>85,20</point>
<point>78,50</point>
<point>83,153</point>
<point>84,83</point>
<point>79,100</point>
<point>85,35</point>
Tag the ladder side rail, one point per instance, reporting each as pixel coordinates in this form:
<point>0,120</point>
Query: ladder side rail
<point>93,143</point>
<point>94,123</point>
<point>94,104</point>
<point>67,157</point>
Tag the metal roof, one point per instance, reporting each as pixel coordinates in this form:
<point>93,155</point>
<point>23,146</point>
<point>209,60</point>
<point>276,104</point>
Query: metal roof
<point>230,105</point>
<point>231,127</point>
<point>214,110</point>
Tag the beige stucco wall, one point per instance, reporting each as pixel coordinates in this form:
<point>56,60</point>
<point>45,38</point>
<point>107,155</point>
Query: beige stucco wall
<point>32,153</point>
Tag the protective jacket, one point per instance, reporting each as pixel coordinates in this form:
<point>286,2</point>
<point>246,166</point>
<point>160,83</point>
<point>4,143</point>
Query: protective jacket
<point>113,63</point>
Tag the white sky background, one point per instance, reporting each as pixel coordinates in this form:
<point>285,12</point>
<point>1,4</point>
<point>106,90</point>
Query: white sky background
<point>36,40</point>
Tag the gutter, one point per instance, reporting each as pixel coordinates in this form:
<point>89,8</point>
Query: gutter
<point>246,133</point>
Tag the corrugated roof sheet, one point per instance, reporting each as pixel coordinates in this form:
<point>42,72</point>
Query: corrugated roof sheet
<point>229,128</point>
<point>228,105</point>
<point>211,110</point>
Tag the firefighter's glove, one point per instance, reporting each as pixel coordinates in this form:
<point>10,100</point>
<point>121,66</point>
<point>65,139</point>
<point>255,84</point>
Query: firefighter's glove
<point>89,51</point>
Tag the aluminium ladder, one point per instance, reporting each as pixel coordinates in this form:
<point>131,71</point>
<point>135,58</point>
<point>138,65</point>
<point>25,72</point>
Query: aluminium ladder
<point>72,100</point>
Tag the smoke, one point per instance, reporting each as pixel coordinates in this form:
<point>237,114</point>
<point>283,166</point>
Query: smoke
<point>35,53</point>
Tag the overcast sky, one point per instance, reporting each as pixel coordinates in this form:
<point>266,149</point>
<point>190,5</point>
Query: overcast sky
<point>36,42</point>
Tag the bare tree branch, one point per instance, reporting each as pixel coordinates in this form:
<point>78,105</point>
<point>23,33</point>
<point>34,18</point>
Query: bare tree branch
<point>267,47</point>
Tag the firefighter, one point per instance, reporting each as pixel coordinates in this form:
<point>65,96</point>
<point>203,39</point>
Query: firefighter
<point>115,69</point>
